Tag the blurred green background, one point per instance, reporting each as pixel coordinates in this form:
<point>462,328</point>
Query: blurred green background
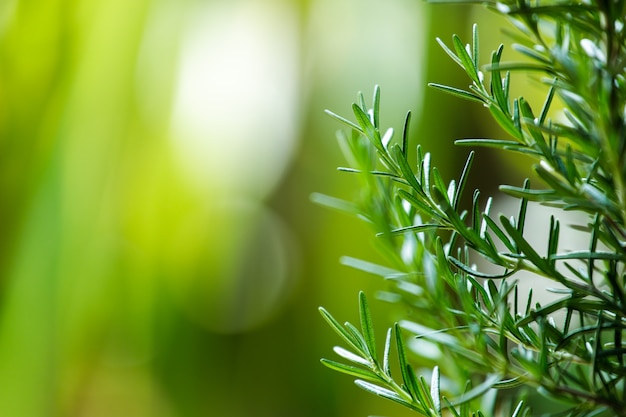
<point>159,254</point>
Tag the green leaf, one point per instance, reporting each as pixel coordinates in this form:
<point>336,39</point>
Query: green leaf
<point>458,92</point>
<point>408,375</point>
<point>450,53</point>
<point>421,205</point>
<point>553,240</point>
<point>449,407</point>
<point>370,267</point>
<point>463,180</point>
<point>366,325</point>
<point>544,311</point>
<point>376,106</point>
<point>344,121</point>
<point>346,335</point>
<point>532,195</point>
<point>475,45</point>
<point>437,336</point>
<point>483,222</point>
<point>546,105</point>
<point>480,325</point>
<point>407,173</point>
<point>505,122</point>
<point>497,87</point>
<point>368,129</point>
<point>375,173</point>
<point>361,99</point>
<point>435,390</point>
<point>356,334</point>
<point>523,208</point>
<point>527,249</point>
<point>351,370</point>
<point>424,169</point>
<point>524,66</point>
<point>500,233</point>
<point>334,203</point>
<point>466,60</point>
<point>518,409</point>
<point>478,274</point>
<point>489,143</point>
<point>477,391</point>
<point>405,135</point>
<point>587,255</point>
<point>533,54</point>
<point>510,383</point>
<point>419,228</point>
<point>441,195</point>
<point>388,394</point>
<point>386,354</point>
<point>532,127</point>
<point>424,397</point>
<point>346,354</point>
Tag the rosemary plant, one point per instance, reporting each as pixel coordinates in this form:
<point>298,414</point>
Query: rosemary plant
<point>492,349</point>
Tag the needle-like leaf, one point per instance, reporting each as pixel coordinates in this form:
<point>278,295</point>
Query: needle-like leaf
<point>456,272</point>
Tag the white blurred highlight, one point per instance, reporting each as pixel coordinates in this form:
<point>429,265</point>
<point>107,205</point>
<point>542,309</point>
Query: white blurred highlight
<point>236,100</point>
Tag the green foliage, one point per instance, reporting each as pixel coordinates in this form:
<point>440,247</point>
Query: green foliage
<point>491,347</point>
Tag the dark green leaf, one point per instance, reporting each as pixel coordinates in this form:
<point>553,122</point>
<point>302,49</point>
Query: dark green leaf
<point>526,248</point>
<point>497,87</point>
<point>489,143</point>
<point>501,235</point>
<point>505,122</point>
<point>466,60</point>
<point>419,228</point>
<point>463,180</point>
<point>367,127</point>
<point>367,326</point>
<point>408,375</point>
<point>478,274</point>
<point>405,135</point>
<point>347,336</point>
<point>407,173</point>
